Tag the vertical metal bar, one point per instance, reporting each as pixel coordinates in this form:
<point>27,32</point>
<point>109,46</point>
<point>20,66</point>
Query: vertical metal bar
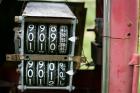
<point>106,47</point>
<point>72,53</point>
<point>135,79</point>
<point>135,64</point>
<point>22,53</point>
<point>138,43</point>
<point>71,77</point>
<point>73,35</point>
<point>136,69</point>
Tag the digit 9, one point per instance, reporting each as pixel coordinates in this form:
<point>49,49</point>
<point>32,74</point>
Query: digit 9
<point>31,27</point>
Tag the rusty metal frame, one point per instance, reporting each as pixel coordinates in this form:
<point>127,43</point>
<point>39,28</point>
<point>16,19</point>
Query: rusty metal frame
<point>55,10</point>
<point>49,20</point>
<point>106,47</point>
<point>37,57</point>
<point>29,15</point>
<point>55,58</point>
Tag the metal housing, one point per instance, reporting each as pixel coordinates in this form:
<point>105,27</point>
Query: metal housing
<point>42,12</point>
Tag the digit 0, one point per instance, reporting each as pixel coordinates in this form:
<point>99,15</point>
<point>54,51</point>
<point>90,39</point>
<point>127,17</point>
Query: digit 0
<point>41,73</point>
<point>62,75</point>
<point>42,37</point>
<point>52,46</point>
<point>30,73</point>
<point>30,37</point>
<point>51,66</point>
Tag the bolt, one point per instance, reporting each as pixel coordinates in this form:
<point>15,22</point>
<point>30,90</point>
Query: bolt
<point>18,19</point>
<point>129,34</point>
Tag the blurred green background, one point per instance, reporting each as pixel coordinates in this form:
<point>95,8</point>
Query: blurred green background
<point>90,23</point>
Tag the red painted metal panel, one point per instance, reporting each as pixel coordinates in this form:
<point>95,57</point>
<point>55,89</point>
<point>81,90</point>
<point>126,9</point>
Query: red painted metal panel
<point>123,42</point>
<point>135,63</point>
<point>135,79</point>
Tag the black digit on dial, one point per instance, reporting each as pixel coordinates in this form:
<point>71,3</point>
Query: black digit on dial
<point>41,39</point>
<point>52,37</point>
<point>63,39</point>
<point>30,73</point>
<point>40,73</point>
<point>51,74</point>
<point>62,75</point>
<point>30,38</point>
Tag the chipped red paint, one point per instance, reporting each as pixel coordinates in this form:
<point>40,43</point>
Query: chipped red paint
<point>123,44</point>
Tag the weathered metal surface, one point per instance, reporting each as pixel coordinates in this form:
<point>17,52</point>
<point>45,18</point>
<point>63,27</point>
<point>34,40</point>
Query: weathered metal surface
<point>123,44</point>
<point>8,73</point>
<point>48,10</point>
<point>49,20</point>
<point>36,57</point>
<point>106,47</point>
<point>135,64</point>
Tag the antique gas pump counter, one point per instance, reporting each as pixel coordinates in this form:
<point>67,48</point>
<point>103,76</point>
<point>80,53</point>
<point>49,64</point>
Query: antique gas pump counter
<point>45,44</point>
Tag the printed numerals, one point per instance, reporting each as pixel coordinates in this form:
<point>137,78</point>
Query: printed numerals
<point>40,73</point>
<point>30,73</point>
<point>31,38</point>
<point>49,39</point>
<point>52,43</point>
<point>62,76</point>
<point>63,40</point>
<point>51,74</point>
<point>46,39</point>
<point>41,40</point>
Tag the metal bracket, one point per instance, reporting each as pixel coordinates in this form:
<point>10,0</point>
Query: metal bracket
<point>135,60</point>
<point>37,57</point>
<point>12,57</point>
<point>135,63</point>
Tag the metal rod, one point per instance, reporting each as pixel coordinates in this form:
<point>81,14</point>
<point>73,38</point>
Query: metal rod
<point>72,54</point>
<point>22,53</point>
<point>43,87</point>
<point>106,46</point>
<point>73,35</point>
<point>138,40</point>
<point>71,77</point>
<point>135,79</point>
<point>37,57</point>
